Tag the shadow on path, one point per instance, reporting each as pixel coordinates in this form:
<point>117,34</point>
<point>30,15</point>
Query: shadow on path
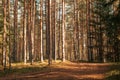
<point>66,71</point>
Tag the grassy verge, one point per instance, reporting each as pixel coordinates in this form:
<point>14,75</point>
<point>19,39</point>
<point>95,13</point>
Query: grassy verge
<point>21,68</point>
<point>114,73</point>
<point>21,71</point>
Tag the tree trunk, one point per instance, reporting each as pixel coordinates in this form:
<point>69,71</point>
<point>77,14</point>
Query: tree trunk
<point>76,30</point>
<point>58,51</point>
<point>32,21</point>
<point>29,32</point>
<point>54,30</point>
<point>25,34</point>
<point>33,25</point>
<point>9,26</point>
<point>89,31</point>
<point>4,36</point>
<point>15,31</point>
<point>63,30</point>
<point>41,31</point>
<point>49,35</point>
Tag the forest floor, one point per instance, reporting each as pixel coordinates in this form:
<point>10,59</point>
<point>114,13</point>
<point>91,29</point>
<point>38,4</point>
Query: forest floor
<point>64,71</point>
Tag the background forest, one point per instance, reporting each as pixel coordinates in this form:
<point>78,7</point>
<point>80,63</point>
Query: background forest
<point>74,30</point>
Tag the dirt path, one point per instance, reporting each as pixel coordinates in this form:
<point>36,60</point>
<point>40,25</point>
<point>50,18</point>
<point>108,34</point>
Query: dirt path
<point>66,71</point>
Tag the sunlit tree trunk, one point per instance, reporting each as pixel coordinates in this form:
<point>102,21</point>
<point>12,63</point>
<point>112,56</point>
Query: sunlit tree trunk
<point>33,27</point>
<point>63,30</point>
<point>9,27</point>
<point>25,34</point>
<point>32,19</point>
<point>41,31</point>
<point>49,35</point>
<point>4,35</point>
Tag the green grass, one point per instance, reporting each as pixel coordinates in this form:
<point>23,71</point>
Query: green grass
<point>114,73</point>
<point>21,71</point>
<point>20,68</point>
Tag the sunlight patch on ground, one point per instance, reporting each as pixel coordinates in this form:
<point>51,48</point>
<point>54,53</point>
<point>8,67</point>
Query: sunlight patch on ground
<point>91,76</point>
<point>22,65</point>
<point>60,71</point>
<point>113,72</point>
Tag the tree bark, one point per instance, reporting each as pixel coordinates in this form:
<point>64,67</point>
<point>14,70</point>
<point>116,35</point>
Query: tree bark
<point>63,30</point>
<point>54,30</point>
<point>33,27</point>
<point>9,26</point>
<point>15,31</point>
<point>76,31</point>
<point>25,34</point>
<point>41,31</point>
<point>49,35</point>
<point>58,51</point>
<point>4,35</point>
